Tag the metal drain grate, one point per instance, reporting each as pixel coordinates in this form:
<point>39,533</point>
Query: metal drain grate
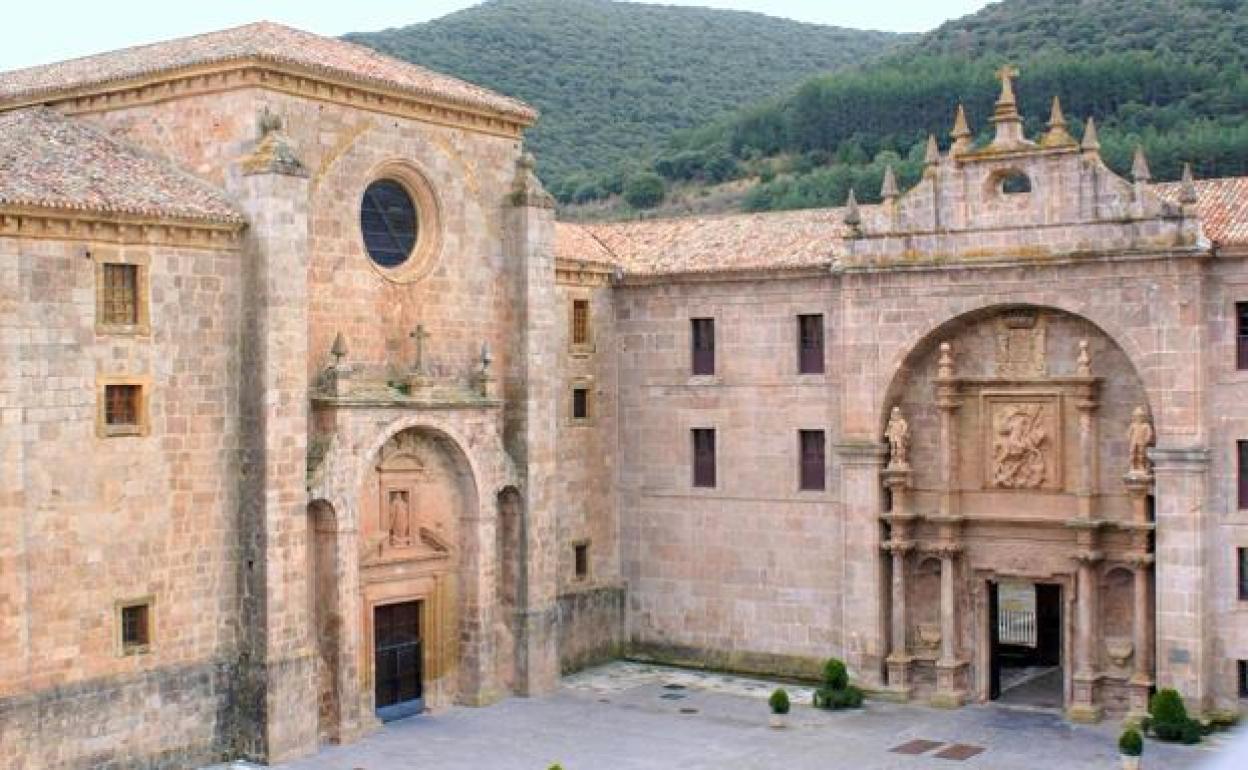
<point>960,752</point>
<point>672,695</point>
<point>916,747</point>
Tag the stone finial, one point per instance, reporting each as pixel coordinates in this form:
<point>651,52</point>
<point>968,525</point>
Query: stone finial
<point>1139,166</point>
<point>888,190</point>
<point>944,366</point>
<point>1057,135</point>
<point>1005,117</point>
<point>961,133</point>
<point>274,152</point>
<point>1187,186</point>
<point>338,350</point>
<point>527,189</point>
<point>931,156</point>
<point>1083,364</point>
<point>1091,143</point>
<point>852,216</point>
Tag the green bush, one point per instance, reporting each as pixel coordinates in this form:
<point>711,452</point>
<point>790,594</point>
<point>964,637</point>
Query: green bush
<point>779,701</point>
<point>1168,719</point>
<point>835,675</point>
<point>1130,743</point>
<point>836,691</point>
<point>644,191</point>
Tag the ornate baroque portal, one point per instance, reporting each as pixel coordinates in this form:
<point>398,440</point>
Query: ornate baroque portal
<point>1019,522</point>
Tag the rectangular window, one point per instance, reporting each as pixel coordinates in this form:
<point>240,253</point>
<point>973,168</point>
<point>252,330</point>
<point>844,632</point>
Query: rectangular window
<point>811,443</point>
<point>136,630</point>
<point>580,403</point>
<point>810,344</point>
<point>580,553</point>
<point>1242,473</point>
<point>704,457</point>
<point>580,322</point>
<point>1242,554</point>
<point>121,406</point>
<point>120,295</point>
<point>703,345</point>
<point>1243,678</point>
<point>1241,335</point>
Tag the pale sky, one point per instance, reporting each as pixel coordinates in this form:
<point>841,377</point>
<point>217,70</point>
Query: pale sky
<point>52,30</point>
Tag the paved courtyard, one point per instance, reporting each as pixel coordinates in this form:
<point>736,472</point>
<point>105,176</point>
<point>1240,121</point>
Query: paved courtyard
<point>627,715</point>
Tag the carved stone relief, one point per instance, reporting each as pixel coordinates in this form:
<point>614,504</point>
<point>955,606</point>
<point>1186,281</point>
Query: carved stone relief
<point>1023,443</point>
<point>1021,344</point>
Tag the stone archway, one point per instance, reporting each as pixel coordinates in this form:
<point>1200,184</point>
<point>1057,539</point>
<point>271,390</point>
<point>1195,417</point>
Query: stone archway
<point>1010,467</point>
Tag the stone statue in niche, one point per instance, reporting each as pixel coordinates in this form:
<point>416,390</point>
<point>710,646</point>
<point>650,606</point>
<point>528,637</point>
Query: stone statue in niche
<point>898,434</point>
<point>399,517</point>
<point>1140,436</point>
<point>1019,445</point>
<point>1021,344</point>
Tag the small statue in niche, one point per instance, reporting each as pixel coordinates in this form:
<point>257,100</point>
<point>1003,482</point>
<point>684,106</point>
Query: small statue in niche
<point>1140,436</point>
<point>898,435</point>
<point>400,518</point>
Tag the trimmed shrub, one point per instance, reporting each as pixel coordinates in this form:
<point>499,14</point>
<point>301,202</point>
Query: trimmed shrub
<point>1130,743</point>
<point>836,691</point>
<point>779,701</point>
<point>1168,719</point>
<point>835,675</point>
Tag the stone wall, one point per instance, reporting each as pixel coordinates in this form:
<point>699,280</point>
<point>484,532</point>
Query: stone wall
<point>591,627</point>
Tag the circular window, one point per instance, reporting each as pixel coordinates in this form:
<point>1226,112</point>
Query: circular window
<point>389,223</point>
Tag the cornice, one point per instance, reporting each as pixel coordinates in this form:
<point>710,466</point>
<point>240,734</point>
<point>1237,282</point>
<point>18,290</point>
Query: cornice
<point>63,225</point>
<point>575,272</point>
<point>283,77</point>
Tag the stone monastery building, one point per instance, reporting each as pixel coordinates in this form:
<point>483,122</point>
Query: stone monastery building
<point>312,416</point>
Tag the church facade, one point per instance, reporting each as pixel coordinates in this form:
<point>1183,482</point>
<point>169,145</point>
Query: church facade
<point>315,417</point>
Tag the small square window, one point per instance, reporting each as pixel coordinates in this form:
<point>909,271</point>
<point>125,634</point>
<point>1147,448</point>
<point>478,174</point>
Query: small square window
<point>580,403</point>
<point>122,407</point>
<point>580,553</point>
<point>580,322</point>
<point>136,628</point>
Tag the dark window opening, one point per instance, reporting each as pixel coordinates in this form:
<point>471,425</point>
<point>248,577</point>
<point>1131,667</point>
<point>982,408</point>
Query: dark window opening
<point>580,322</point>
<point>1241,335</point>
<point>1015,183</point>
<point>135,631</point>
<point>580,403</point>
<point>810,344</point>
<point>580,553</point>
<point>1241,474</point>
<point>389,223</point>
<point>120,297</point>
<point>1243,573</point>
<point>812,462</point>
<point>1243,678</point>
<point>703,345</point>
<point>703,457</point>
<point>121,406</point>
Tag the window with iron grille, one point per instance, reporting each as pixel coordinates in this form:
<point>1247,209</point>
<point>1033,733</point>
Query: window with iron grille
<point>580,322</point>
<point>1241,335</point>
<point>121,406</point>
<point>136,631</point>
<point>811,444</point>
<point>810,344</point>
<point>703,345</point>
<point>120,295</point>
<point>704,457</point>
<point>580,403</point>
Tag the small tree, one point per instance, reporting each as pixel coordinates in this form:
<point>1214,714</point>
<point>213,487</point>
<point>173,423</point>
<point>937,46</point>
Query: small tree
<point>1130,743</point>
<point>644,191</point>
<point>779,701</point>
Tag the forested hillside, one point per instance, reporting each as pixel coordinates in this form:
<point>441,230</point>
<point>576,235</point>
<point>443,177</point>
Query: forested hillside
<point>1165,74</point>
<point>615,80</point>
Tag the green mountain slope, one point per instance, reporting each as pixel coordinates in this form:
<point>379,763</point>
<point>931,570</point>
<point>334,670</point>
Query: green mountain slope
<point>1165,74</point>
<point>614,80</point>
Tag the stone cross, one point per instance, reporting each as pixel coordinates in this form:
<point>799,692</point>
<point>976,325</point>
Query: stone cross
<point>1006,75</point>
<point>420,335</point>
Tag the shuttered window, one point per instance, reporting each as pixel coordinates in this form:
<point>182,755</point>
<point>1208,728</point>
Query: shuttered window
<point>120,296</point>
<point>580,322</point>
<point>810,344</point>
<point>704,457</point>
<point>811,443</point>
<point>703,345</point>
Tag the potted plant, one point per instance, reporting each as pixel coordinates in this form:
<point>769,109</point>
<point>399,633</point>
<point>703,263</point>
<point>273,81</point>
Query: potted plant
<point>1130,747</point>
<point>779,702</point>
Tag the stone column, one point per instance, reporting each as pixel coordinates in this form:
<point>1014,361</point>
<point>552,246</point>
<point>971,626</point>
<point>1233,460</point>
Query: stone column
<point>950,668</point>
<point>533,396</point>
<point>901,517</point>
<point>864,641</point>
<point>1083,707</point>
<point>1183,611</point>
<point>277,692</point>
<point>1086,405</point>
<point>1142,637</point>
<point>948,401</point>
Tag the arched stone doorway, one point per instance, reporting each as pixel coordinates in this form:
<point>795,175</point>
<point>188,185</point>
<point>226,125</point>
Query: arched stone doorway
<point>1018,505</point>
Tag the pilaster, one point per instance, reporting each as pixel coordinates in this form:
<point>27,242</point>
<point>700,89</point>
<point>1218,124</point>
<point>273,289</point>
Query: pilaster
<point>865,642</point>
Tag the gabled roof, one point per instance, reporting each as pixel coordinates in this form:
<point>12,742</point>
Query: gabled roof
<point>52,162</point>
<point>1222,205</point>
<point>263,41</point>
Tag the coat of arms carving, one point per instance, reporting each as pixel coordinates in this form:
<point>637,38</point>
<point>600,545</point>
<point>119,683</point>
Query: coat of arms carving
<point>1021,344</point>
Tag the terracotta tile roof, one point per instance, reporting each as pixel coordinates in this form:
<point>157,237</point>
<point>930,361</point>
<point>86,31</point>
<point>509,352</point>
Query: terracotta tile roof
<point>1222,205</point>
<point>729,242</point>
<point>576,243</point>
<point>50,161</point>
<point>264,41</point>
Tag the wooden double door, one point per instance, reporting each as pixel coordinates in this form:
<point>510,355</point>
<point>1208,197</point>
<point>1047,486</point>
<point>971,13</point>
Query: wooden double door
<point>398,660</point>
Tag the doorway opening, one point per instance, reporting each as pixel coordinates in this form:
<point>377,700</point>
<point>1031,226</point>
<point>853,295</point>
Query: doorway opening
<point>398,661</point>
<point>1025,627</point>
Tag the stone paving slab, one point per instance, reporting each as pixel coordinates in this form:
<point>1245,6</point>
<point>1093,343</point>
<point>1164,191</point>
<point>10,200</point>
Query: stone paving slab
<point>617,718</point>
